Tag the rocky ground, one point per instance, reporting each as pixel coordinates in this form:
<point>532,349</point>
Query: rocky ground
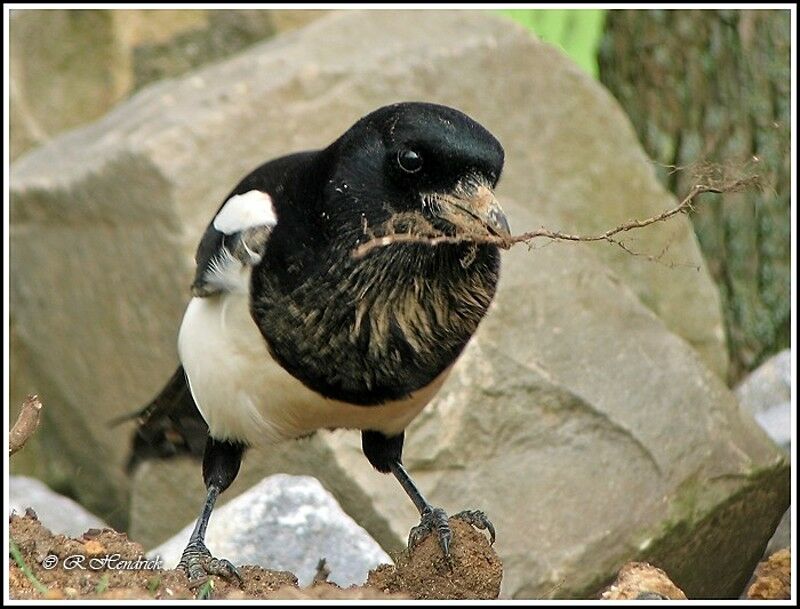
<point>474,573</point>
<point>41,567</point>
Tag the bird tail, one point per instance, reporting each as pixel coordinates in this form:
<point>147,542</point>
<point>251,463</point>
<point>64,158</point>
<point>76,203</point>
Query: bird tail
<point>168,426</point>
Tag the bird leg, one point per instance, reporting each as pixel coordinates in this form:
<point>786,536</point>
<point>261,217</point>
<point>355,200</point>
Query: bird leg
<point>196,561</point>
<point>435,519</point>
<point>221,462</point>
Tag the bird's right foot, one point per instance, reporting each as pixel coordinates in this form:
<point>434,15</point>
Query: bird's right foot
<point>198,564</point>
<point>435,520</point>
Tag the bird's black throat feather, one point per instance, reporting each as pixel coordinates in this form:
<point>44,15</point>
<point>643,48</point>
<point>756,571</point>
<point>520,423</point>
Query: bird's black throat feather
<point>375,329</point>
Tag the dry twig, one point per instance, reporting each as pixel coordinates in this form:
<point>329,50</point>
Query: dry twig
<point>27,422</point>
<point>610,236</point>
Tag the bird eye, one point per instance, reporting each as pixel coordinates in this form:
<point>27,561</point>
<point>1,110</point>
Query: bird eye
<point>409,160</point>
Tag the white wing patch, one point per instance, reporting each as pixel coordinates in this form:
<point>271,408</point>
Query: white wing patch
<point>240,212</point>
<point>234,244</point>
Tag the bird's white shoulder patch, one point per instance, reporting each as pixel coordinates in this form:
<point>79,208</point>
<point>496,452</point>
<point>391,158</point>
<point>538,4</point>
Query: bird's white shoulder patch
<point>240,212</point>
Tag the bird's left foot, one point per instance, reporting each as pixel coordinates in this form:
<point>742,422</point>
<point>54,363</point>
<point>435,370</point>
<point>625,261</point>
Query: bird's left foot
<point>436,520</point>
<point>198,563</point>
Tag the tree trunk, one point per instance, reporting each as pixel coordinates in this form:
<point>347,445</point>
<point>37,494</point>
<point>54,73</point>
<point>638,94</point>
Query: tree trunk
<point>714,86</point>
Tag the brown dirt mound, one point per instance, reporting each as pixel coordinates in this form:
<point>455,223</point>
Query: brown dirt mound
<point>474,571</point>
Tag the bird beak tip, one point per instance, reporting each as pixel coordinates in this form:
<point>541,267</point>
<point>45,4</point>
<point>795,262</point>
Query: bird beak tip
<point>498,222</point>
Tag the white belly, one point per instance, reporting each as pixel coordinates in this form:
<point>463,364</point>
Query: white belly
<point>244,395</point>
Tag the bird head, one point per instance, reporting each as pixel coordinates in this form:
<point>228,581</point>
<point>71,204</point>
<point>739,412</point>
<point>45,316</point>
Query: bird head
<point>418,160</point>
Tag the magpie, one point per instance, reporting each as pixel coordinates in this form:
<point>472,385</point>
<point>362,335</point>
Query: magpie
<point>287,332</point>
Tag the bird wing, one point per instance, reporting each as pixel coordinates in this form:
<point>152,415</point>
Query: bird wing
<point>168,426</point>
<point>233,243</point>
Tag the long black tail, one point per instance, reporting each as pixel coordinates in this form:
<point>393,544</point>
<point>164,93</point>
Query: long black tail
<point>168,426</point>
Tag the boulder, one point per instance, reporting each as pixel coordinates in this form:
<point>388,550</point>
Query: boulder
<point>60,514</point>
<point>587,417</point>
<point>69,67</point>
<point>286,523</point>
<point>65,68</point>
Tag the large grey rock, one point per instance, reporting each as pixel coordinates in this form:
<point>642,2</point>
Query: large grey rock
<point>286,523</point>
<point>587,417</point>
<point>66,68</point>
<point>69,67</point>
<point>60,514</point>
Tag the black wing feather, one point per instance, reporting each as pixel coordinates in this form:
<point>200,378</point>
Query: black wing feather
<point>170,425</point>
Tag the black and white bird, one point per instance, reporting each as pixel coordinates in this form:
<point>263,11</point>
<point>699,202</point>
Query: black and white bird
<point>288,332</point>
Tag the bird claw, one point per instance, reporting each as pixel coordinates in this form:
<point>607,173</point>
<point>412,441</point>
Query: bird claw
<point>436,520</point>
<point>198,564</point>
<point>432,520</point>
<point>479,520</point>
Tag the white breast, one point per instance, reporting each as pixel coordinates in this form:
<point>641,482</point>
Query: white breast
<point>243,394</point>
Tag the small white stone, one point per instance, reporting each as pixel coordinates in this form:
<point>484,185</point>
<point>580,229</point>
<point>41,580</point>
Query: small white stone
<point>58,513</point>
<point>286,522</point>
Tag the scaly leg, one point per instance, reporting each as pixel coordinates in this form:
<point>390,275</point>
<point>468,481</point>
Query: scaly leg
<point>385,455</point>
<point>221,462</point>
<point>434,519</point>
